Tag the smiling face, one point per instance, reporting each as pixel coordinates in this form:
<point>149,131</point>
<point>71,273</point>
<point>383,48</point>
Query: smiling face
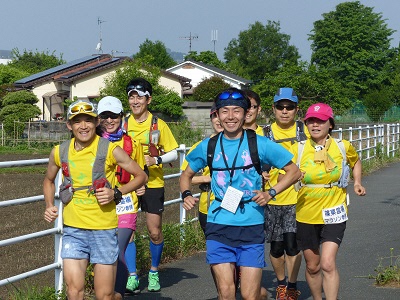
<point>285,113</point>
<point>110,122</point>
<point>318,129</point>
<point>83,128</point>
<point>232,120</point>
<point>252,113</point>
<point>138,105</point>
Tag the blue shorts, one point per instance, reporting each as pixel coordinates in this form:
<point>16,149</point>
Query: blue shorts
<point>97,246</point>
<point>246,255</point>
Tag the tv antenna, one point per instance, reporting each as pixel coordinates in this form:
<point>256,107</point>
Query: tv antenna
<point>214,37</point>
<point>190,38</point>
<point>116,52</point>
<point>99,44</point>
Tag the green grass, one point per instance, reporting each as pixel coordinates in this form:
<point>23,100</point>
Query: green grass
<point>388,270</point>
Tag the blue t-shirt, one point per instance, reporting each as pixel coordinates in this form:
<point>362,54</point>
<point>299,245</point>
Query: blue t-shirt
<point>245,180</point>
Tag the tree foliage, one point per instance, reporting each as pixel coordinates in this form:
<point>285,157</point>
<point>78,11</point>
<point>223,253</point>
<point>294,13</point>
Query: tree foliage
<point>377,102</point>
<point>164,100</point>
<point>353,42</point>
<point>207,89</point>
<point>155,54</point>
<point>206,57</point>
<point>260,50</point>
<point>34,62</point>
<point>10,74</point>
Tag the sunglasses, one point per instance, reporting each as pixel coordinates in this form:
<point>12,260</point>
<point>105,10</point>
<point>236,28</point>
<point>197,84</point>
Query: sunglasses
<point>231,95</point>
<point>254,106</point>
<point>288,107</point>
<point>137,87</point>
<point>81,107</point>
<point>110,115</point>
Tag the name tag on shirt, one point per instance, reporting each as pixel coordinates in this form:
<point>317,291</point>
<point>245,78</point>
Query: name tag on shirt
<point>125,206</point>
<point>231,199</point>
<point>334,215</point>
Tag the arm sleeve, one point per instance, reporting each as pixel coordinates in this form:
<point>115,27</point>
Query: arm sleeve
<point>169,156</point>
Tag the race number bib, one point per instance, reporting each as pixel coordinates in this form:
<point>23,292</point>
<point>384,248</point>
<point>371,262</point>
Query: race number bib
<point>126,205</point>
<point>334,215</point>
<point>231,199</point>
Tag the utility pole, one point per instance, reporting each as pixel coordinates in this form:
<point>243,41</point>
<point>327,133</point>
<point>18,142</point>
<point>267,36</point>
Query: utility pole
<point>214,37</point>
<point>100,43</point>
<point>190,38</point>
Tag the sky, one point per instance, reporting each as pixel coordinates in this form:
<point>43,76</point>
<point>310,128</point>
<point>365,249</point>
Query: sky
<point>72,27</point>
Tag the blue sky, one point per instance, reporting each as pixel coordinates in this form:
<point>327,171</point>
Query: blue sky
<point>71,27</point>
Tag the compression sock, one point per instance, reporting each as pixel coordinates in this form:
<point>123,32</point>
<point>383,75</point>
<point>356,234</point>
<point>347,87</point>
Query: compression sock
<point>292,285</point>
<point>130,257</point>
<point>156,252</point>
<point>281,282</point>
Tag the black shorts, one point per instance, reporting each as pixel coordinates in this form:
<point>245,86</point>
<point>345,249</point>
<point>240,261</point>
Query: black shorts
<point>311,236</point>
<point>153,200</point>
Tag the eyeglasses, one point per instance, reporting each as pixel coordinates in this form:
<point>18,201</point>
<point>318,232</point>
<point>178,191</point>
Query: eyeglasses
<point>110,115</point>
<point>231,95</point>
<point>137,87</point>
<point>288,107</point>
<point>82,106</point>
<point>253,106</point>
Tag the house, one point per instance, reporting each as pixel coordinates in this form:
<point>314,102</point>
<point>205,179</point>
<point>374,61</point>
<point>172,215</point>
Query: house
<point>5,56</point>
<point>82,78</point>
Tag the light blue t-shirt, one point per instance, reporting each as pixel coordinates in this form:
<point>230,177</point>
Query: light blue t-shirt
<point>245,180</point>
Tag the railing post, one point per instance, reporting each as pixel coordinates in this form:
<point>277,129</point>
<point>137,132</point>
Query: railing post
<point>182,155</point>
<point>58,272</point>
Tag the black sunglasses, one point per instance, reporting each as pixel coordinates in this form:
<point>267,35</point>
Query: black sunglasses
<point>288,107</point>
<point>137,87</point>
<point>231,95</point>
<point>110,115</point>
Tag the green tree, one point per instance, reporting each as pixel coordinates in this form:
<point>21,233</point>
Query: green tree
<point>10,74</point>
<point>377,102</point>
<point>155,54</point>
<point>34,62</point>
<point>353,42</point>
<point>207,89</point>
<point>206,57</point>
<point>260,50</point>
<point>164,100</point>
<point>18,106</point>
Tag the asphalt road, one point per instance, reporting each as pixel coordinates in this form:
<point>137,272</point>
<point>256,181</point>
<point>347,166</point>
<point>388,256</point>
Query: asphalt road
<point>373,228</point>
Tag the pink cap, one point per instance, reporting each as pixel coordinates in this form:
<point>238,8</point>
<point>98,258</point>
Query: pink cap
<point>320,111</point>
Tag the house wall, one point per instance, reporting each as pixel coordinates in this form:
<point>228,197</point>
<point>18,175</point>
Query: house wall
<point>39,91</point>
<point>172,84</point>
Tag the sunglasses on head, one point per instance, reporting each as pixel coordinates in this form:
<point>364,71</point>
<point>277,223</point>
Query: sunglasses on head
<point>109,114</point>
<point>231,95</point>
<point>137,87</point>
<point>288,107</point>
<point>81,107</point>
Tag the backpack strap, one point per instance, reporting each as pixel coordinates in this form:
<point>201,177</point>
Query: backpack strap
<point>268,132</point>
<point>252,141</point>
<point>300,135</point>
<point>212,143</point>
<point>63,152</point>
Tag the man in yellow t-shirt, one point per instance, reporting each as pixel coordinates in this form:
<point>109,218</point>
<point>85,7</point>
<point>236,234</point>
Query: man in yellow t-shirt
<point>89,216</point>
<point>159,146</point>
<point>280,215</point>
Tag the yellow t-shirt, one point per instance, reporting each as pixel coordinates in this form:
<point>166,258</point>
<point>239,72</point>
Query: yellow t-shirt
<point>288,196</point>
<point>259,130</point>
<point>203,195</point>
<point>311,200</point>
<point>84,211</point>
<point>137,155</point>
<point>140,132</point>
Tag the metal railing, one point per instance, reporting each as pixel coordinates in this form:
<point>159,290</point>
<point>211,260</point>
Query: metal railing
<point>368,141</point>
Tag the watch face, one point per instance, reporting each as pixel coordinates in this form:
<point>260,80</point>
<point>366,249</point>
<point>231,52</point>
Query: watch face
<point>272,193</point>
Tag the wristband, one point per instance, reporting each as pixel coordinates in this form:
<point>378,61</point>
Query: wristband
<point>117,196</point>
<point>158,160</point>
<point>186,193</point>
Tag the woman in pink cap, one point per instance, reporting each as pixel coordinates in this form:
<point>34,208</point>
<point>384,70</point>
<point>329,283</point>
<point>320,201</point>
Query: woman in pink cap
<point>321,210</point>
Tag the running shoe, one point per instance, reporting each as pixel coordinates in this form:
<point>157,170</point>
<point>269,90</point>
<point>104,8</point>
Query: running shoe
<point>132,286</point>
<point>292,294</point>
<point>154,282</point>
<point>281,292</point>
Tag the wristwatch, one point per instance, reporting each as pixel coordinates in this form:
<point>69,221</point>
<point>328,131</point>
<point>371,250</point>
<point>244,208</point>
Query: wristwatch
<point>272,193</point>
<point>117,196</point>
<point>158,160</point>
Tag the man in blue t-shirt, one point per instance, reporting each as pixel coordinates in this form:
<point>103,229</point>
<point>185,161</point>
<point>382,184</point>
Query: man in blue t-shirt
<point>235,221</point>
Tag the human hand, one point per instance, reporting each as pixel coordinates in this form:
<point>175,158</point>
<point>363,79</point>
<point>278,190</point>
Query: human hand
<point>104,195</point>
<point>150,160</point>
<point>359,189</point>
<point>189,202</point>
<point>261,198</point>
<point>140,191</point>
<point>51,213</point>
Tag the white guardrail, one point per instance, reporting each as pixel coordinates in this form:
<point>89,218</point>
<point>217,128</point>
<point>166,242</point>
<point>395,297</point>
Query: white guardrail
<point>368,141</point>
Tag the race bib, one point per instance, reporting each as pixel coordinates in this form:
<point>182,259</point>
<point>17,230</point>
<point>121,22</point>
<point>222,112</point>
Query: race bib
<point>126,205</point>
<point>334,215</point>
<point>231,199</point>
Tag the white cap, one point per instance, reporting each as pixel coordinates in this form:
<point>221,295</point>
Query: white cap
<point>110,103</point>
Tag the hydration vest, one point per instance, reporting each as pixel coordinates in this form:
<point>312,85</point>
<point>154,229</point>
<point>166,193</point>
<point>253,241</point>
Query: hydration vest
<point>300,135</point>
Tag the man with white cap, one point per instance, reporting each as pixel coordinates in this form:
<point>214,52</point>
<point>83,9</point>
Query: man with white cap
<point>159,146</point>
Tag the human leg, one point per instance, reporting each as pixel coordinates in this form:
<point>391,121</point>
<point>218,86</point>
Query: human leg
<point>250,283</point>
<point>124,235</point>
<point>132,284</point>
<point>74,276</point>
<point>313,272</point>
<point>104,281</point>
<point>293,262</point>
<point>225,279</point>
<point>154,226</point>
<point>330,272</point>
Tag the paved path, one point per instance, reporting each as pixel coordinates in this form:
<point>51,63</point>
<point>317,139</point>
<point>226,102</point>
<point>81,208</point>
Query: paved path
<point>373,228</point>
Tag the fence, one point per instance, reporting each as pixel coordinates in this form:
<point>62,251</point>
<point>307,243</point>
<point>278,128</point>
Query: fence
<point>368,141</point>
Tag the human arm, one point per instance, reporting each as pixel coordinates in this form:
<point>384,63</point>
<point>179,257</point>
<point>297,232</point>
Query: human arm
<point>184,183</point>
<point>106,195</point>
<point>51,211</point>
<point>165,158</point>
<point>357,171</point>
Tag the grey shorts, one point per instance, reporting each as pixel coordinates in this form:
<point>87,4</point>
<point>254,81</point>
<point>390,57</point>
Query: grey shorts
<point>279,219</point>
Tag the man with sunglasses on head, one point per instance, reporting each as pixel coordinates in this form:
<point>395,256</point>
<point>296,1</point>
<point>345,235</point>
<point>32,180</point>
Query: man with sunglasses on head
<point>235,219</point>
<point>90,195</point>
<point>159,147</point>
<point>280,215</point>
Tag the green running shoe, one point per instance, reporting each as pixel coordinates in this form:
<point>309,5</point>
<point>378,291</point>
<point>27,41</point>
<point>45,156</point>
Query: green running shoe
<point>132,286</point>
<point>154,282</point>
